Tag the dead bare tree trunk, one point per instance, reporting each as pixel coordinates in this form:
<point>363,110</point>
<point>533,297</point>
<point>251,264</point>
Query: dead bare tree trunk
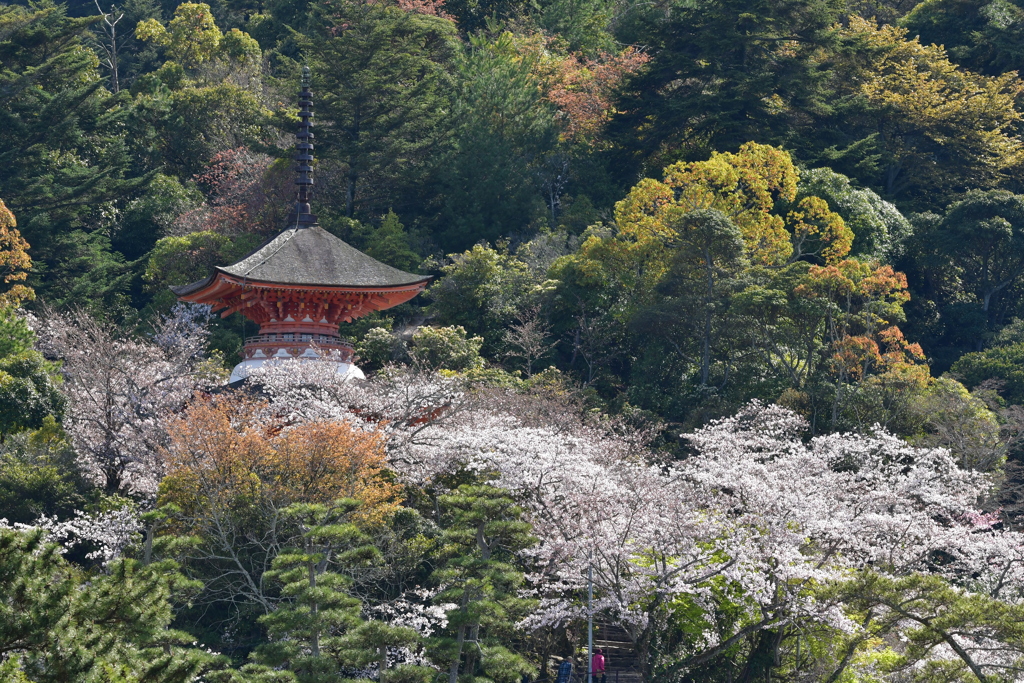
<point>111,48</point>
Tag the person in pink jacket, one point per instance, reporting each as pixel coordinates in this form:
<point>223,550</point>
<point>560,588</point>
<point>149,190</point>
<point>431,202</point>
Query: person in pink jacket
<point>597,669</point>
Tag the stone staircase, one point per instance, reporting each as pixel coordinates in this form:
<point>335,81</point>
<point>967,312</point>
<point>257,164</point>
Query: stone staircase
<point>619,657</point>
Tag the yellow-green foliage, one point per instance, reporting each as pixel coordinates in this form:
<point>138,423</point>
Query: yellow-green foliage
<point>191,37</point>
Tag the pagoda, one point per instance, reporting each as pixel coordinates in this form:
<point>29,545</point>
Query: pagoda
<point>299,286</point>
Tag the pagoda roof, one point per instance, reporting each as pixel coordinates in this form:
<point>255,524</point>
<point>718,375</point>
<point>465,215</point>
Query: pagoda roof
<point>310,256</point>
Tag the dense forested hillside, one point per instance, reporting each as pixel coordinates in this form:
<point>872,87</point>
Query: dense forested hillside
<point>727,307</point>
<point>524,155</point>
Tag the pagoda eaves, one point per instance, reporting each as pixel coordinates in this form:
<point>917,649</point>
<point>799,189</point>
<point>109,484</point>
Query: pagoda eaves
<point>304,280</point>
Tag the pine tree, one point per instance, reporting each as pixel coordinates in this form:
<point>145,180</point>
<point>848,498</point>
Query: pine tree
<point>388,243</point>
<point>723,73</point>
<point>369,643</point>
<point>318,633</point>
<point>504,128</point>
<point>63,153</point>
<point>381,78</point>
<point>59,623</point>
<point>484,530</point>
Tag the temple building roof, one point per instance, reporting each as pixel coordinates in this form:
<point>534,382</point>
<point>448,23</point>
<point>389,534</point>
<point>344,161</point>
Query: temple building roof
<point>309,255</point>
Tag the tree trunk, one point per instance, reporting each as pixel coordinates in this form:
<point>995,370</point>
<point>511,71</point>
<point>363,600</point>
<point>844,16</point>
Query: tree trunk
<point>453,673</point>
<point>460,638</point>
<point>313,611</point>
<point>705,355</point>
<point>474,650</point>
<point>762,657</point>
<point>350,193</point>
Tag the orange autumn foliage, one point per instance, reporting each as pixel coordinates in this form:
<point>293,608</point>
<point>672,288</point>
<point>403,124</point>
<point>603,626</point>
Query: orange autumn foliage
<point>222,458</point>
<point>583,90</point>
<point>864,302</point>
<point>889,352</point>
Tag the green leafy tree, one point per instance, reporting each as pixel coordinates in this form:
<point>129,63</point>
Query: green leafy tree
<point>908,121</point>
<point>708,258</point>
<point>954,418</point>
<point>982,36</point>
<point>880,230</point>
<point>180,260</point>
<point>193,41</point>
<point>15,335</point>
<point>378,347</point>
<point>191,37</point>
<point>64,159</point>
<point>482,290</point>
<point>38,476</point>
<point>28,392</point>
<point>504,131</point>
<point>982,237</point>
<point>727,281</point>
<point>446,348</point>
<point>205,98</point>
<point>1004,364</point>
<point>145,218</point>
<point>189,125</point>
<point>483,530</point>
<point>381,78</point>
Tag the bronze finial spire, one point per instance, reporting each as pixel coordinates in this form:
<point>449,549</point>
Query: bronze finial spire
<point>304,155</point>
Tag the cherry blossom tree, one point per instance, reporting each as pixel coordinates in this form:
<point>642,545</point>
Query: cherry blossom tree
<point>121,389</point>
<point>757,539</point>
<point>753,525</point>
<point>107,533</point>
<point>410,407</point>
